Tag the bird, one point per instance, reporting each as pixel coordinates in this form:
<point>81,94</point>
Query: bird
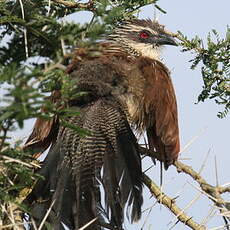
<point>126,88</point>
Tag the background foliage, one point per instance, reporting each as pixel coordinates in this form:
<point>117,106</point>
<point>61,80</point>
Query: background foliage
<point>215,66</point>
<point>35,47</point>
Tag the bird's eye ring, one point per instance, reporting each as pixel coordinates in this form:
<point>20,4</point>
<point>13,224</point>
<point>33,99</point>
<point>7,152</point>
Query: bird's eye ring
<point>144,35</point>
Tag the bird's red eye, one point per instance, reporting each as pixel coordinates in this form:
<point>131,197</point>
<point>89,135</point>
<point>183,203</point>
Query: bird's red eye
<point>144,35</point>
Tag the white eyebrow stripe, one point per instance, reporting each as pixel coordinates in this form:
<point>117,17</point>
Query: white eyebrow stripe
<point>135,28</point>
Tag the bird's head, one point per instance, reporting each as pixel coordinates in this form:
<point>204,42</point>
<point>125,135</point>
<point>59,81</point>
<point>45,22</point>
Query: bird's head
<point>142,37</point>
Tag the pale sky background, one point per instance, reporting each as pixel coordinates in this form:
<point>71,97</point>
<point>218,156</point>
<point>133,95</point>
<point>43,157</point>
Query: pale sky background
<point>196,17</point>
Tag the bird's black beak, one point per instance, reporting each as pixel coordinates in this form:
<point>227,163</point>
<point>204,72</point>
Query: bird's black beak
<point>166,40</point>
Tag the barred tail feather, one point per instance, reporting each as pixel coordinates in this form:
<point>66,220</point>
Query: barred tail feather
<point>76,166</point>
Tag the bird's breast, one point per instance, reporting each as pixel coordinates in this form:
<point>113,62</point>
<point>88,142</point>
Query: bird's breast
<point>135,111</point>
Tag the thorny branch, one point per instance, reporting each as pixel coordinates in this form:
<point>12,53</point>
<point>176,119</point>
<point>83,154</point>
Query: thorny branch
<point>171,204</point>
<point>90,5</point>
<point>69,4</point>
<point>212,192</point>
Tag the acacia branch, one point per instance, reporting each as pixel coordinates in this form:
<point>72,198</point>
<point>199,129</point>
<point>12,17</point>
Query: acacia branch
<point>212,192</point>
<point>171,204</point>
<point>69,4</point>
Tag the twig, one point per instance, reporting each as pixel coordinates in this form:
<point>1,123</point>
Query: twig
<point>9,226</point>
<point>192,140</point>
<point>10,159</point>
<point>204,162</point>
<point>63,46</point>
<point>187,206</point>
<point>148,215</point>
<point>24,30</point>
<point>211,214</point>
<point>46,215</point>
<point>216,173</point>
<point>88,224</point>
<point>57,65</point>
<point>203,192</point>
<point>149,3</point>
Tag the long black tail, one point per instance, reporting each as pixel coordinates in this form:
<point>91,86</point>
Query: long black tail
<point>78,167</point>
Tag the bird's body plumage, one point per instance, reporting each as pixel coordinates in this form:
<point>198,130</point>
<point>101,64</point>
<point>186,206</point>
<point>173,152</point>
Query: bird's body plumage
<point>126,86</point>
